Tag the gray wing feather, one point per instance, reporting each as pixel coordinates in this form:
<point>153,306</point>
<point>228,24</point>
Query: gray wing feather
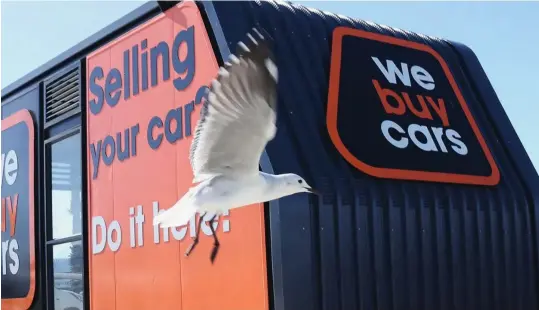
<point>238,117</point>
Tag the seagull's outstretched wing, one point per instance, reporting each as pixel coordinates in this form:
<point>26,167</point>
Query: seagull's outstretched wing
<point>238,118</point>
<point>177,215</point>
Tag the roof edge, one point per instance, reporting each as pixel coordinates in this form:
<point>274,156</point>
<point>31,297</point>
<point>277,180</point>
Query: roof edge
<point>83,47</point>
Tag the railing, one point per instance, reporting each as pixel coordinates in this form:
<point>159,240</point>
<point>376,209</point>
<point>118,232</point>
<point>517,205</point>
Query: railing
<point>67,276</point>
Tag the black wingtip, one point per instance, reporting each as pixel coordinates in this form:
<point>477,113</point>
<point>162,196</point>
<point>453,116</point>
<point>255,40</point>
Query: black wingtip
<point>258,44</point>
<point>263,33</point>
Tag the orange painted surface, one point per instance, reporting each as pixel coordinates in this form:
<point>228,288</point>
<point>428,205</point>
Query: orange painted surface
<point>158,275</point>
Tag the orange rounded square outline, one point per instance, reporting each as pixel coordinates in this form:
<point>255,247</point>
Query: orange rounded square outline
<point>392,173</point>
<point>24,116</point>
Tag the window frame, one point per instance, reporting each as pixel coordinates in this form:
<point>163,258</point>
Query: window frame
<point>50,242</point>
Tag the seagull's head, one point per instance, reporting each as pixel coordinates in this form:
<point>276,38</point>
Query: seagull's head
<point>296,184</point>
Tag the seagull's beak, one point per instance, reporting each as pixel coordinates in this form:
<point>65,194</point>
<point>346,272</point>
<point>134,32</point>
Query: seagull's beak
<point>312,191</point>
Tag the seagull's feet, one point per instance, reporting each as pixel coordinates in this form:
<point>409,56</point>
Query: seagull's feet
<point>191,247</point>
<point>214,251</point>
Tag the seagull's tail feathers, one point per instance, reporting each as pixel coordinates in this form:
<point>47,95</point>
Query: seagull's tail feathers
<point>177,215</point>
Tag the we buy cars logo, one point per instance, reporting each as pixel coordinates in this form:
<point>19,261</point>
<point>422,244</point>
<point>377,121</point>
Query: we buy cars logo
<point>395,111</point>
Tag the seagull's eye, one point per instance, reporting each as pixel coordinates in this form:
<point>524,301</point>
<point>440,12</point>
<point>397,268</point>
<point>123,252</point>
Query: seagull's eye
<point>300,181</point>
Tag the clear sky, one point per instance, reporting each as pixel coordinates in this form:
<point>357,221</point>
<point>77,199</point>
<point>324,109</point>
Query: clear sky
<point>502,34</point>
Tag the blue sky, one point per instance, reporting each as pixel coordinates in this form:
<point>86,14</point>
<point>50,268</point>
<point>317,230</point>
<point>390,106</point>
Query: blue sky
<point>502,34</point>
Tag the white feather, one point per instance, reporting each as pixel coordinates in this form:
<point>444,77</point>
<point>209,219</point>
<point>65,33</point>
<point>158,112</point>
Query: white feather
<point>179,214</point>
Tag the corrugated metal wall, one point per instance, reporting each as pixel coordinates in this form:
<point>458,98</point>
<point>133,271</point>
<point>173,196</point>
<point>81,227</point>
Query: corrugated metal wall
<point>372,243</point>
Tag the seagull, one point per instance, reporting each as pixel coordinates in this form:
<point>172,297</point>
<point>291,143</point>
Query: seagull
<point>237,120</point>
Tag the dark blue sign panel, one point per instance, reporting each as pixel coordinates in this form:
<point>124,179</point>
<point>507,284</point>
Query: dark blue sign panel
<point>18,239</point>
<point>395,111</point>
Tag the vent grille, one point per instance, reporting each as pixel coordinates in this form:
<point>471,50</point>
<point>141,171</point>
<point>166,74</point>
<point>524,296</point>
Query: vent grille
<point>62,95</point>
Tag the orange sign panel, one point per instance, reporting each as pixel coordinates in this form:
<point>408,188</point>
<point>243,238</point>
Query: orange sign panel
<point>144,93</point>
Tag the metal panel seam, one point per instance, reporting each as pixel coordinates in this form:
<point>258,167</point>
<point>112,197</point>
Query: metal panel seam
<point>265,163</point>
<point>517,153</point>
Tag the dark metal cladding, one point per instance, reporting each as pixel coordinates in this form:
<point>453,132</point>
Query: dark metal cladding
<point>370,243</point>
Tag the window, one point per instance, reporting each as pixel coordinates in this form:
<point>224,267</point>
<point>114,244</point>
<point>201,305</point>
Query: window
<point>64,224</point>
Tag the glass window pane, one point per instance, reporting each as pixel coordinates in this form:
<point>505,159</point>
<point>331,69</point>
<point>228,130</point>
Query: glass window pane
<point>66,196</point>
<point>68,276</point>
